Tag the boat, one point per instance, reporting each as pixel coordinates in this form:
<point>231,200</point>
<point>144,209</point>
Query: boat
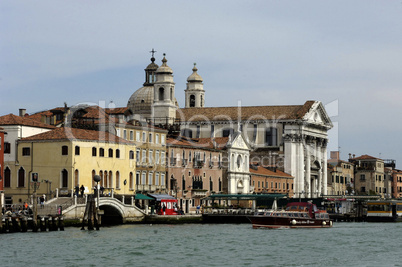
<point>296,215</point>
<point>384,211</point>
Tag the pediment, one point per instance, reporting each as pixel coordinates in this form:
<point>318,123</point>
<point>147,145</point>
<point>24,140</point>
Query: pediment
<point>318,115</point>
<point>238,142</point>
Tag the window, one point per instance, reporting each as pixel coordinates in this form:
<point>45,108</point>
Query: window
<point>7,177</point>
<point>151,157</point>
<point>110,153</point>
<point>118,132</point>
<point>143,178</point>
<point>64,178</point>
<point>157,139</point>
<point>362,177</point>
<point>125,134</point>
<point>163,139</point>
<point>187,133</point>
<point>163,158</point>
<point>150,138</point>
<point>144,137</point>
<point>137,155</point>
<point>131,181</point>
<point>131,135</point>
<point>157,178</point>
<point>117,153</point>
<point>77,150</point>
<point>137,178</point>
<point>271,136</point>
<point>26,151</point>
<point>157,157</point>
<point>150,178</point>
<point>7,148</point>
<point>144,156</point>
<point>192,101</point>
<point>64,150</point>
<point>137,136</point>
<point>131,154</point>
<point>227,132</point>
<point>21,177</point>
<point>101,152</point>
<point>117,179</point>
<point>162,179</point>
<point>363,189</point>
<point>94,152</point>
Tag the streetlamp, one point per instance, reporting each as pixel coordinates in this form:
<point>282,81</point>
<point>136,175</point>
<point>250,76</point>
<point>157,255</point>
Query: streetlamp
<point>97,179</point>
<point>301,193</point>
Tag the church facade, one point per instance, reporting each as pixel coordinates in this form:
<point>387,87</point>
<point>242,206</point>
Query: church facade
<point>292,138</point>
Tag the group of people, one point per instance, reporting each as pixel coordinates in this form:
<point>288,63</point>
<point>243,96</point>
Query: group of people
<point>79,190</point>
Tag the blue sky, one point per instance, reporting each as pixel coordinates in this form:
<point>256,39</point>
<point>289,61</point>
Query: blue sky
<point>347,54</point>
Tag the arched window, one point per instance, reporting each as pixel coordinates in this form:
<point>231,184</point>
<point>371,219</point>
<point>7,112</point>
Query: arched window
<point>76,178</point>
<point>117,179</point>
<point>117,153</point>
<point>93,174</point>
<point>131,154</point>
<point>77,150</point>
<point>110,153</point>
<point>183,183</point>
<point>161,93</point>
<point>94,152</point>
<point>101,177</point>
<point>64,178</point>
<point>7,177</point>
<point>211,184</point>
<point>220,184</point>
<point>110,179</point>
<point>21,177</point>
<point>131,181</point>
<point>101,152</point>
<point>171,94</point>
<point>192,101</point>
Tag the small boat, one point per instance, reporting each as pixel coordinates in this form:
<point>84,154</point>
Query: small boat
<point>296,215</point>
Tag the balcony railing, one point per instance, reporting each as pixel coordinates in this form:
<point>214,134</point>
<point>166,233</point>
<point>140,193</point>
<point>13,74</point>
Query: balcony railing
<point>173,161</point>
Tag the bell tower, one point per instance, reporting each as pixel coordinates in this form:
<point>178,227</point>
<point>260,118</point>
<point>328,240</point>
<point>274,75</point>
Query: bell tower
<point>194,93</point>
<point>164,106</point>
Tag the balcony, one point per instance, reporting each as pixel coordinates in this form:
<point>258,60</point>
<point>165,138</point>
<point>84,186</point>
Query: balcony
<point>199,193</point>
<point>211,164</point>
<point>173,161</point>
<point>198,164</point>
<point>184,162</point>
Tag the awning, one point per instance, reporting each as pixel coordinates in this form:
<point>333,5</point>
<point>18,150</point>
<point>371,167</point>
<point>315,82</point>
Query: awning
<point>143,197</point>
<point>159,197</point>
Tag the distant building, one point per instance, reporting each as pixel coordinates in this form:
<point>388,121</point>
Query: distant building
<point>340,175</point>
<point>65,158</point>
<point>396,183</point>
<point>2,132</point>
<point>292,137</point>
<point>270,180</point>
<point>370,176</point>
<point>195,170</point>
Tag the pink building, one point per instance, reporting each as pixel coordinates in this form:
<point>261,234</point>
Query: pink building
<point>194,170</point>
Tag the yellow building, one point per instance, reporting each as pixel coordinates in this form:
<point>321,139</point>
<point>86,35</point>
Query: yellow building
<point>68,157</point>
<point>150,155</point>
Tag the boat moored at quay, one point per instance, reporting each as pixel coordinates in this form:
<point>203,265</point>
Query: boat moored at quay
<point>384,211</point>
<point>296,215</point>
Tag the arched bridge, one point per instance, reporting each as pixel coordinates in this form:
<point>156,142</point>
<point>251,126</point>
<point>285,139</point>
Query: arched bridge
<point>114,211</point>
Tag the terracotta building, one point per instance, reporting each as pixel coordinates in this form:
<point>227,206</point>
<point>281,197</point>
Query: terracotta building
<point>266,180</point>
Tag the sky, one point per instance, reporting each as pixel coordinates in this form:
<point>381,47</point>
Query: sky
<point>346,54</point>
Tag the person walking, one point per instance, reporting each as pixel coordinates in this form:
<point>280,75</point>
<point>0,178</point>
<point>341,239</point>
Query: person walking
<point>82,189</point>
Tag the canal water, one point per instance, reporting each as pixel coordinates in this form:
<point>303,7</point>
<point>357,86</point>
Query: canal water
<point>346,244</point>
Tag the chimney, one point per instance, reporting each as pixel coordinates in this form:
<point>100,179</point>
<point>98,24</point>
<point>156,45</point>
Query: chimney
<point>22,112</point>
<point>350,155</point>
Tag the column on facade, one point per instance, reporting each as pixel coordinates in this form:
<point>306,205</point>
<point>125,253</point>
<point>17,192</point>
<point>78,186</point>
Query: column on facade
<point>325,174</point>
<point>308,170</point>
<point>300,167</point>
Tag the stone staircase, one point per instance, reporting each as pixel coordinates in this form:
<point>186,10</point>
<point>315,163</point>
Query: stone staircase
<point>52,206</point>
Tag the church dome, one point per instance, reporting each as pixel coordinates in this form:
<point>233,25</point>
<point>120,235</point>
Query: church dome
<point>141,100</point>
<point>194,77</point>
